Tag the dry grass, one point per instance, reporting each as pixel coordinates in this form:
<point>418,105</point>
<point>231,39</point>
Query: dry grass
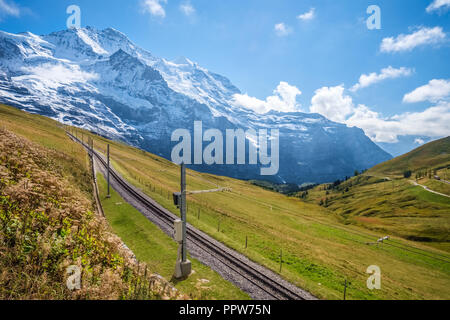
<point>47,224</point>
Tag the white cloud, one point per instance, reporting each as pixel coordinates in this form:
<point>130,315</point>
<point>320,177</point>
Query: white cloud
<point>187,8</point>
<point>307,15</point>
<point>419,141</point>
<point>154,7</point>
<point>332,103</point>
<point>387,73</point>
<point>438,4</point>
<point>8,8</point>
<point>283,100</point>
<point>434,91</point>
<point>374,126</point>
<point>407,42</point>
<point>433,122</point>
<point>281,29</point>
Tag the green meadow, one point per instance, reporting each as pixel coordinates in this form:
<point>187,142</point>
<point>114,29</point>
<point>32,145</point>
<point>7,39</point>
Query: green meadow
<point>320,246</point>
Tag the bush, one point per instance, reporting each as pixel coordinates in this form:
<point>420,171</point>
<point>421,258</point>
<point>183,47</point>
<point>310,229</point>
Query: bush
<point>407,174</point>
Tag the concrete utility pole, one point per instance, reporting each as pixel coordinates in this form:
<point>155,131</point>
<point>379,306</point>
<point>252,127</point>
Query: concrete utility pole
<point>107,173</point>
<point>183,266</point>
<point>91,147</point>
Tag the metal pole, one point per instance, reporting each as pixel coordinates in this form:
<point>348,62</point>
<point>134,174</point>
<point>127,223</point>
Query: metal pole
<point>345,289</point>
<point>183,210</point>
<point>107,174</point>
<point>281,259</point>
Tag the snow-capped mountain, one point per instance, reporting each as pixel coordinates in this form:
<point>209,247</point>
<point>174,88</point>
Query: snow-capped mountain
<point>101,81</point>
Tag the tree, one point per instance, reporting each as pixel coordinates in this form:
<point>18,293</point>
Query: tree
<point>336,183</point>
<point>407,174</point>
<point>356,173</point>
<point>304,194</point>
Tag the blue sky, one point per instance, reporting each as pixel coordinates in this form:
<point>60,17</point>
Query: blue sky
<point>317,48</point>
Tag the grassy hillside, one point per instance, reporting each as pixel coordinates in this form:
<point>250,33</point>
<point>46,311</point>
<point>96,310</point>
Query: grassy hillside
<point>47,224</point>
<point>159,251</point>
<point>319,251</point>
<point>435,154</point>
<point>385,200</point>
<point>66,170</point>
<point>390,207</point>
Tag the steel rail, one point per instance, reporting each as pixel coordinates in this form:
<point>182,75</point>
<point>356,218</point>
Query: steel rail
<point>270,286</point>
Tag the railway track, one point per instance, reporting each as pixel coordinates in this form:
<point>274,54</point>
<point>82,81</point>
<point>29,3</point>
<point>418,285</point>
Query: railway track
<point>270,285</point>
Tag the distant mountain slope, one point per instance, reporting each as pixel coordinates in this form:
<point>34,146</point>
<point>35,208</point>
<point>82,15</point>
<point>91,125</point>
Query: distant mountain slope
<point>382,199</point>
<point>99,80</point>
<point>428,156</point>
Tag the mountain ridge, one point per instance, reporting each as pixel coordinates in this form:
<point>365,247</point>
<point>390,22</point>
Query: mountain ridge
<point>101,81</point>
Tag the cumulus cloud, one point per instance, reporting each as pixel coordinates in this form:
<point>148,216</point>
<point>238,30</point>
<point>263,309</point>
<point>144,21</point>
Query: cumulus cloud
<point>434,91</point>
<point>154,7</point>
<point>284,99</point>
<point>367,80</point>
<point>187,8</point>
<point>438,4</point>
<point>407,42</point>
<point>433,122</point>
<point>307,15</point>
<point>282,30</point>
<point>419,141</point>
<point>332,103</point>
<point>8,8</point>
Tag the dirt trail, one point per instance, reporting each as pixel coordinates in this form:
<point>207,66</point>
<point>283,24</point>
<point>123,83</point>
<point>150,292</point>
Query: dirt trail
<point>428,189</point>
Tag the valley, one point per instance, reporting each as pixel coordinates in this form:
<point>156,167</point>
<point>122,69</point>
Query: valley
<point>319,251</point>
